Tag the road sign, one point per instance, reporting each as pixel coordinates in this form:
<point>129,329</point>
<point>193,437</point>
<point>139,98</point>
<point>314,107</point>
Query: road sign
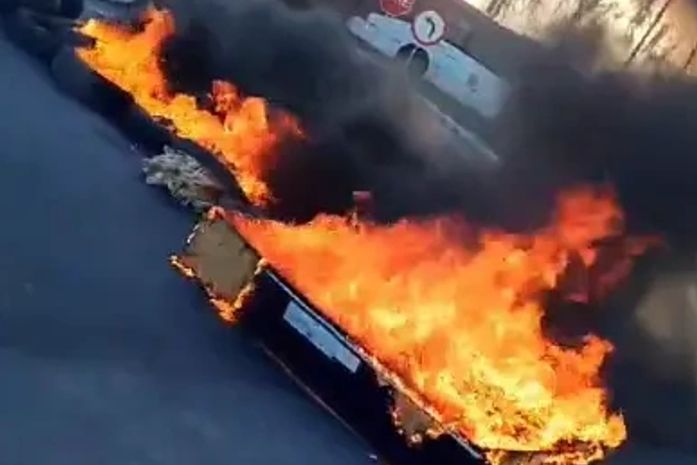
<point>396,7</point>
<point>428,27</point>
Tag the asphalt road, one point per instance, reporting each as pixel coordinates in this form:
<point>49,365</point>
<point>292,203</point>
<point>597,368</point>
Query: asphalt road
<point>107,356</point>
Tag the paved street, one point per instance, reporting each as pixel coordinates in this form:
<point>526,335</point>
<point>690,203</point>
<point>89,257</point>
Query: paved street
<point>106,355</point>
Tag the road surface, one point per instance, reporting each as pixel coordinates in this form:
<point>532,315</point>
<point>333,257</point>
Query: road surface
<point>108,356</point>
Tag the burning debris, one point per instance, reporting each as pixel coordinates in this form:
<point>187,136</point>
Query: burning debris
<point>458,321</point>
<point>239,131</point>
<point>449,310</point>
<point>220,260</point>
<point>452,314</point>
<point>184,177</point>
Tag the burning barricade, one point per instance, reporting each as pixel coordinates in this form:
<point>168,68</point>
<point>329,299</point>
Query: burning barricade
<point>447,314</point>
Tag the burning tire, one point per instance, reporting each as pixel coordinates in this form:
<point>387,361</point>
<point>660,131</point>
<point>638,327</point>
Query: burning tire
<point>79,81</point>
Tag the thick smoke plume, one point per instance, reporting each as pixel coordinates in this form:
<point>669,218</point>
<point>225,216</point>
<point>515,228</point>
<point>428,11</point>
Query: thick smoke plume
<point>366,132</point>
<point>365,129</point>
<point>561,128</point>
<point>639,135</point>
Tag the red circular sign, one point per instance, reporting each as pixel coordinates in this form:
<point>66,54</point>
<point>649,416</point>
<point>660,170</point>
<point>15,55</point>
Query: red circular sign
<point>397,7</point>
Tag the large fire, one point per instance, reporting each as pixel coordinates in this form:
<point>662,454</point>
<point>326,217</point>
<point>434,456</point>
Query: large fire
<point>459,321</point>
<point>238,130</point>
<point>451,313</point>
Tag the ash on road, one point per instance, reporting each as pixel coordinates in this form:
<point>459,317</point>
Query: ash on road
<point>107,356</point>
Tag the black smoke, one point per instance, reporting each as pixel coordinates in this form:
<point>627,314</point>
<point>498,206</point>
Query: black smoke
<point>366,133</point>
<point>637,133</point>
<point>562,127</point>
<point>364,126</point>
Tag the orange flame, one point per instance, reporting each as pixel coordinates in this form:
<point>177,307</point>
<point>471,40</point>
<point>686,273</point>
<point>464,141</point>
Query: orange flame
<point>239,131</point>
<point>450,314</point>
<point>460,323</point>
